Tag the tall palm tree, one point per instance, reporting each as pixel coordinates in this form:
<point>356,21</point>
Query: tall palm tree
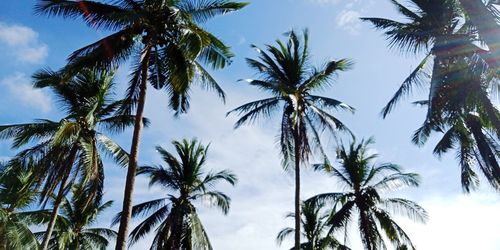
<point>72,230</point>
<point>315,228</point>
<point>71,148</point>
<point>168,47</point>
<point>286,74</point>
<point>174,216</point>
<point>440,29</point>
<point>17,193</point>
<point>364,182</point>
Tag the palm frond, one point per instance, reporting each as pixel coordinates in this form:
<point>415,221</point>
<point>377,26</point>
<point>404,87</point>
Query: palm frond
<point>283,234</point>
<point>142,209</point>
<point>202,11</point>
<point>254,110</point>
<point>148,224</point>
<point>406,208</point>
<point>417,78</point>
<point>95,14</point>
<point>113,149</point>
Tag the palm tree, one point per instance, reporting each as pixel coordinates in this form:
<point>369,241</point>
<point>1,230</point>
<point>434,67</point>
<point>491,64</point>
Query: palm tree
<point>72,230</point>
<point>17,193</point>
<point>441,30</point>
<point>286,73</point>
<point>364,182</point>
<point>315,228</point>
<point>168,47</point>
<point>72,147</point>
<point>174,217</point>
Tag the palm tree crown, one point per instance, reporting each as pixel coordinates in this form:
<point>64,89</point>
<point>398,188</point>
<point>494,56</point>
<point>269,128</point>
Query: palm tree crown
<point>73,229</point>
<point>458,105</point>
<point>285,73</point>
<point>432,28</point>
<point>73,145</point>
<point>315,229</point>
<point>164,38</point>
<point>364,182</point>
<point>17,193</point>
<point>175,216</point>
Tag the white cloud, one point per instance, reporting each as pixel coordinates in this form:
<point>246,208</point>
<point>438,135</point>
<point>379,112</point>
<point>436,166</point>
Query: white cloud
<point>348,20</point>
<point>20,88</point>
<point>459,222</point>
<point>23,43</point>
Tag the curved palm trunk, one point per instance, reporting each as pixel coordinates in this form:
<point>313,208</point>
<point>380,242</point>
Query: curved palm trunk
<point>487,26</point>
<point>297,187</point>
<point>121,240</point>
<point>57,202</point>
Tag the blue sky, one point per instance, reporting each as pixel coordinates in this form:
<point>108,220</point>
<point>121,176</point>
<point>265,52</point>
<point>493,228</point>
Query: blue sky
<point>265,192</point>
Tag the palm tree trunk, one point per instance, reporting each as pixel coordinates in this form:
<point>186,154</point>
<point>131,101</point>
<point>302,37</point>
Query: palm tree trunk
<point>3,240</point>
<point>177,233</point>
<point>487,26</point>
<point>121,240</point>
<point>297,187</point>
<point>57,202</point>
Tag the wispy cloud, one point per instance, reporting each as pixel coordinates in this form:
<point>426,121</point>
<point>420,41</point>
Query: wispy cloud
<point>348,17</point>
<point>19,87</point>
<point>348,20</point>
<point>23,43</point>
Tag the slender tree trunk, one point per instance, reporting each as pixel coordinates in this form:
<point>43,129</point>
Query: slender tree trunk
<point>59,197</point>
<point>177,232</point>
<point>487,26</point>
<point>121,240</point>
<point>3,240</point>
<point>297,187</point>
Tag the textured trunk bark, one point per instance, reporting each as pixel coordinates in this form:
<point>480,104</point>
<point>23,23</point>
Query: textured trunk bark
<point>121,240</point>
<point>487,26</point>
<point>3,240</point>
<point>57,202</point>
<point>297,187</point>
<point>177,234</point>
